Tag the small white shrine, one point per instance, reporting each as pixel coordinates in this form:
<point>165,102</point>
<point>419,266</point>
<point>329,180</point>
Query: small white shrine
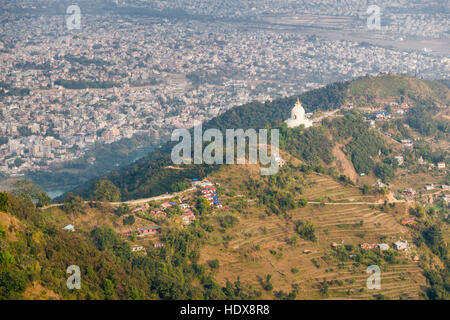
<point>298,117</point>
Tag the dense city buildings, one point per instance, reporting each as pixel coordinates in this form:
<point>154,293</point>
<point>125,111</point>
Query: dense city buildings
<point>63,91</point>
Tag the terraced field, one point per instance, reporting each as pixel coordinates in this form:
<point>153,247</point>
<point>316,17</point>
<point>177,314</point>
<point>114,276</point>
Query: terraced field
<point>261,245</point>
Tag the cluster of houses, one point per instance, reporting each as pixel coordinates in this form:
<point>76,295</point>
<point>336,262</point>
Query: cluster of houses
<point>210,194</point>
<point>399,109</point>
<point>369,246</point>
<point>407,143</point>
<point>409,193</point>
<point>187,216</point>
<point>439,195</point>
<point>381,115</point>
<point>439,165</point>
<point>154,212</point>
<point>401,245</point>
<point>201,184</point>
<point>144,231</point>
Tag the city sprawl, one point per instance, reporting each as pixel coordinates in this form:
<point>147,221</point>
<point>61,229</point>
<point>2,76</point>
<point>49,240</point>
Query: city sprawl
<point>63,91</point>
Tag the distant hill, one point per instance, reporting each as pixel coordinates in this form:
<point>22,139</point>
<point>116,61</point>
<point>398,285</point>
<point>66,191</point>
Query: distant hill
<point>150,176</point>
<point>293,235</point>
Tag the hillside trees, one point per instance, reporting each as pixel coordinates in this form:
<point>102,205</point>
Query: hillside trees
<point>12,284</point>
<point>5,205</point>
<point>384,171</point>
<point>73,204</point>
<point>128,220</point>
<point>435,240</point>
<point>26,188</point>
<point>123,209</point>
<point>311,145</point>
<point>306,230</point>
<point>421,119</point>
<point>363,148</point>
<point>104,238</point>
<point>105,190</point>
<point>202,206</point>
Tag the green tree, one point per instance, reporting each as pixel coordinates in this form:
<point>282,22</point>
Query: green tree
<point>26,188</point>
<point>302,203</point>
<point>214,264</point>
<point>123,209</point>
<point>129,220</point>
<point>306,230</point>
<point>104,238</point>
<point>179,186</point>
<point>12,283</point>
<point>202,205</point>
<point>6,259</point>
<point>5,205</point>
<point>384,171</point>
<point>105,190</point>
<point>108,289</point>
<point>73,204</point>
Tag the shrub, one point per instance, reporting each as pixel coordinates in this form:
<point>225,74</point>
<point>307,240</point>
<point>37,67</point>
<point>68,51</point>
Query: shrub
<point>129,220</point>
<point>306,230</point>
<point>302,203</point>
<point>105,190</point>
<point>122,209</point>
<point>214,264</point>
<point>5,205</point>
<point>73,204</point>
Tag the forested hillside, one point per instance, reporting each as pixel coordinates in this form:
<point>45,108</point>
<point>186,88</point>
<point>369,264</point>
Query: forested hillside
<point>150,176</point>
<point>35,253</point>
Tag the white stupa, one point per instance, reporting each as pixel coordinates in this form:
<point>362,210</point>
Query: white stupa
<point>298,117</point>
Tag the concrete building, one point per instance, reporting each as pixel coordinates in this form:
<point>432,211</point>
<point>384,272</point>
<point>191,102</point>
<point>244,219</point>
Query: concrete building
<point>298,117</point>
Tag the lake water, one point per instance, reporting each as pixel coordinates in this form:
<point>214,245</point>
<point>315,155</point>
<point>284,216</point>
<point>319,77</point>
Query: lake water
<point>55,193</point>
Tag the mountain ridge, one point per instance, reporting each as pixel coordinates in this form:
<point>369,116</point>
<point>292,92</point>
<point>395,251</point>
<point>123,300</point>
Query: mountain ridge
<point>148,176</point>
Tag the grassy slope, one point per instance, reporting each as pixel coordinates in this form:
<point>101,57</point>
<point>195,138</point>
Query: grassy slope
<point>333,224</point>
<point>391,87</point>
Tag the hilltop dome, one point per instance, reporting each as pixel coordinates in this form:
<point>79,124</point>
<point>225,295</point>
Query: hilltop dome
<point>298,117</point>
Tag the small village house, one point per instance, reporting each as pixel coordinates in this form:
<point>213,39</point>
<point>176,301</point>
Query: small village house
<point>368,246</point>
<point>408,222</point>
<point>409,192</point>
<point>69,227</point>
<point>401,245</point>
